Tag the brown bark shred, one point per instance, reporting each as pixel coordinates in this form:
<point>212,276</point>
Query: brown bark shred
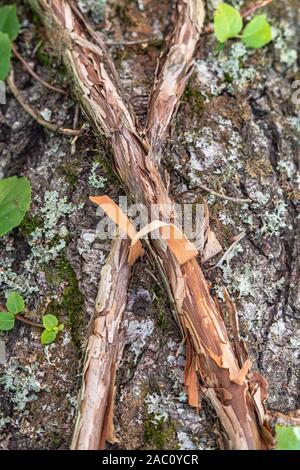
<point>94,423</point>
<point>174,68</point>
<point>237,401</point>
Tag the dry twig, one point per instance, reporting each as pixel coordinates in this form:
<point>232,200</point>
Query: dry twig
<point>38,118</point>
<point>202,186</point>
<point>28,322</point>
<point>34,75</point>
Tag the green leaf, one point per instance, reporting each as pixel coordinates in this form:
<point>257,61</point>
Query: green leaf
<point>48,337</point>
<point>288,437</point>
<point>257,33</point>
<point>7,321</point>
<point>15,303</point>
<point>58,328</point>
<point>9,22</point>
<point>227,22</point>
<point>49,322</point>
<point>15,200</point>
<point>5,53</point>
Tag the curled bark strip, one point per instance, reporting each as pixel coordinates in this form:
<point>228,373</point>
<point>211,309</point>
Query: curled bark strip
<point>181,247</point>
<point>121,220</point>
<point>240,408</point>
<point>94,423</point>
<point>174,68</point>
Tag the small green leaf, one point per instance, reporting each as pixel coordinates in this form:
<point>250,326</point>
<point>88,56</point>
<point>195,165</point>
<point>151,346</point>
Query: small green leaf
<point>49,322</point>
<point>7,321</point>
<point>15,303</point>
<point>5,53</point>
<point>58,328</point>
<point>15,200</point>
<point>9,22</point>
<point>257,33</point>
<point>227,22</point>
<point>288,437</point>
<point>48,337</point>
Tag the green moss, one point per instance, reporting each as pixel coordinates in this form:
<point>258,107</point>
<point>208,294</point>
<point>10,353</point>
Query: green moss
<point>43,57</point>
<point>29,224</point>
<point>105,166</point>
<point>195,99</point>
<point>70,172</point>
<point>160,435</point>
<point>160,307</point>
<point>71,304</point>
<point>56,441</point>
<point>228,78</point>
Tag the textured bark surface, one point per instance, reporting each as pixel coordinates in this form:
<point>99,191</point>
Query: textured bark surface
<point>94,424</point>
<point>174,68</point>
<point>238,402</point>
<point>253,153</point>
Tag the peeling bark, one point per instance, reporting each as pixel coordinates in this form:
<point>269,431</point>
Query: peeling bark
<point>238,401</point>
<point>94,423</point>
<point>174,68</point>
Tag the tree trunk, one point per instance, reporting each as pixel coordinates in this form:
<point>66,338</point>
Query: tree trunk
<point>236,399</point>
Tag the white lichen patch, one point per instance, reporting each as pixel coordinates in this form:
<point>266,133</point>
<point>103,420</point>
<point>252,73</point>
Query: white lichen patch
<point>158,407</point>
<point>20,384</point>
<point>94,7</point>
<point>48,241</point>
<point>294,122</point>
<point>137,333</point>
<point>273,222</point>
<point>4,421</point>
<point>284,41</point>
<point>96,181</point>
<point>217,149</point>
<point>226,70</point>
<point>185,442</point>
<point>9,279</point>
<point>241,280</point>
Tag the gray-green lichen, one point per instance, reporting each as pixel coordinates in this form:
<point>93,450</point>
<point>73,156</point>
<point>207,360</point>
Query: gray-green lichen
<point>157,406</point>
<point>284,40</point>
<point>228,69</point>
<point>273,222</point>
<point>96,181</point>
<point>94,7</point>
<point>46,242</point>
<point>20,384</point>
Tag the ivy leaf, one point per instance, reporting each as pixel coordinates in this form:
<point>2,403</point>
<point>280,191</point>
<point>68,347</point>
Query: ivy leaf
<point>5,53</point>
<point>49,322</point>
<point>15,303</point>
<point>288,437</point>
<point>9,22</point>
<point>227,22</point>
<point>7,321</point>
<point>48,337</point>
<point>257,33</point>
<point>15,200</point>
